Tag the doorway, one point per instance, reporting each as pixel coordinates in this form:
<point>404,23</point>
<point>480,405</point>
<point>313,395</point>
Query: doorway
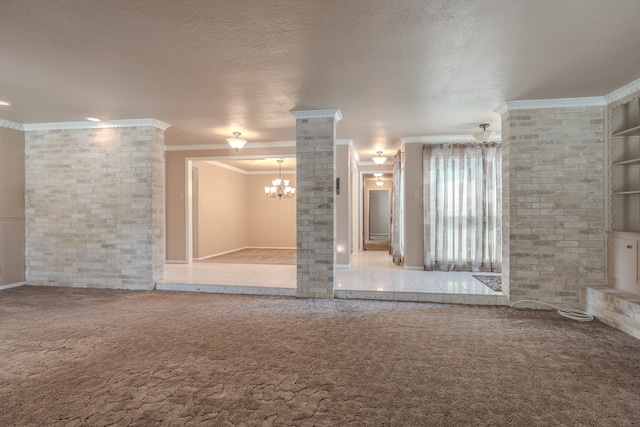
<point>376,219</point>
<point>379,215</point>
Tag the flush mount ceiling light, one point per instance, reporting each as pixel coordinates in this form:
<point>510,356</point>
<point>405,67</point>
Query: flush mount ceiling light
<point>379,182</point>
<point>485,135</point>
<point>379,160</point>
<point>280,187</point>
<point>5,103</point>
<point>93,119</point>
<point>236,142</point>
<point>378,174</point>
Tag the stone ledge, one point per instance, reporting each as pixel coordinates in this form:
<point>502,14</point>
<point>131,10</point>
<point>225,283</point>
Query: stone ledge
<point>615,308</point>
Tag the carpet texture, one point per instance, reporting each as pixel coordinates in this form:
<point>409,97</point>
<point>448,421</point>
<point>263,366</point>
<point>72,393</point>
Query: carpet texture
<point>492,282</point>
<point>256,256</point>
<point>376,246</point>
<point>74,357</point>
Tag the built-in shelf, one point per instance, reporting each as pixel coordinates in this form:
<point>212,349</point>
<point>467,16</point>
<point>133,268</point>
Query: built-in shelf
<point>634,131</point>
<point>623,193</point>
<point>629,162</point>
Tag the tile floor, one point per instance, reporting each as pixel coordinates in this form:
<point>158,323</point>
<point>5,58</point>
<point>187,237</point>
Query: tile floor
<point>371,275</point>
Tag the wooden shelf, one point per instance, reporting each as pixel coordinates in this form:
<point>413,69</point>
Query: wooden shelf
<point>634,131</point>
<point>629,162</point>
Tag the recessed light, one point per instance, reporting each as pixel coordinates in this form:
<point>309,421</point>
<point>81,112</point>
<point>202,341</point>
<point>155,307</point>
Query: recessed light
<point>5,103</point>
<point>93,119</point>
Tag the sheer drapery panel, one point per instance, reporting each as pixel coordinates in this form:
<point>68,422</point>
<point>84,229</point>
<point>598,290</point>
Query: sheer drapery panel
<point>462,199</point>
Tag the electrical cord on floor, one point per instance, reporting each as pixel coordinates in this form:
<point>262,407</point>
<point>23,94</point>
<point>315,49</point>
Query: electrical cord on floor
<point>570,313</point>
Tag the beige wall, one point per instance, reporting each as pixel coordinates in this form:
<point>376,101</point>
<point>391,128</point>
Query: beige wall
<point>175,190</point>
<point>11,206</point>
<point>413,207</point>
<point>234,212</point>
<point>343,206</point>
<point>222,210</point>
<point>271,222</point>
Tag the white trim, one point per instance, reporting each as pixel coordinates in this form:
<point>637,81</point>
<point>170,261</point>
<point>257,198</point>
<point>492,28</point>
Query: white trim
<point>226,166</point>
<point>318,114</point>
<point>535,104</point>
<point>11,125</point>
<point>443,139</point>
<point>188,207</point>
<point>202,147</point>
<point>11,285</point>
<point>623,92</point>
<point>175,261</point>
<point>245,172</point>
<point>96,125</point>
<point>414,267</point>
<point>271,247</point>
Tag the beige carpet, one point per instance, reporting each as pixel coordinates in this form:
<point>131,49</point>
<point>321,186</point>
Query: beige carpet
<point>256,256</point>
<point>374,245</point>
<point>97,357</point>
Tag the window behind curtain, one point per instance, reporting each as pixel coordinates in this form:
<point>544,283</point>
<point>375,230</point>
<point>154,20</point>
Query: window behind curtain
<point>462,199</point>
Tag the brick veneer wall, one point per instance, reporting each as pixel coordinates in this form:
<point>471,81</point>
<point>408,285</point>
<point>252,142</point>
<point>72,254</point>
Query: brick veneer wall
<point>315,213</point>
<point>554,166</point>
<point>94,207</point>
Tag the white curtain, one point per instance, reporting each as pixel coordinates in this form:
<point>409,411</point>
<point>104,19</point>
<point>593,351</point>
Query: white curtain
<point>396,248</point>
<point>462,199</point>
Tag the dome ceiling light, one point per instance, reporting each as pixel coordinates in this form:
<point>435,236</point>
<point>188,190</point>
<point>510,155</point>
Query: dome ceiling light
<point>379,160</point>
<point>485,135</point>
<point>236,142</point>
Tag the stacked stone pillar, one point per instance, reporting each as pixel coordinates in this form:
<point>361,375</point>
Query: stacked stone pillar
<point>553,201</point>
<point>316,200</point>
<point>94,204</point>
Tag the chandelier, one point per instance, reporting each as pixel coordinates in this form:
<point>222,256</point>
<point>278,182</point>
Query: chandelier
<point>280,187</point>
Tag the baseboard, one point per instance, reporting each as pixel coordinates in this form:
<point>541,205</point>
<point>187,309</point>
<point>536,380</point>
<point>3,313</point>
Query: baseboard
<point>414,267</point>
<point>11,285</point>
<point>343,265</point>
<point>269,247</point>
<point>220,253</point>
<point>176,261</point>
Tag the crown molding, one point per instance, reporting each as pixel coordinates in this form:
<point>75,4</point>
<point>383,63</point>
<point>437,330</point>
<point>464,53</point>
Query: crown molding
<point>226,166</point>
<point>203,147</point>
<point>96,125</point>
<point>246,172</point>
<point>535,104</point>
<point>444,139</point>
<point>318,114</point>
<point>11,125</point>
<point>623,92</point>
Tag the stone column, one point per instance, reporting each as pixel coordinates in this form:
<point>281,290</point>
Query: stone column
<point>94,205</point>
<point>316,201</point>
<point>553,199</point>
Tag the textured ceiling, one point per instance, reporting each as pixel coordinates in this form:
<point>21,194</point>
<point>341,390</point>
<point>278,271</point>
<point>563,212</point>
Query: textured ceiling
<point>394,68</point>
